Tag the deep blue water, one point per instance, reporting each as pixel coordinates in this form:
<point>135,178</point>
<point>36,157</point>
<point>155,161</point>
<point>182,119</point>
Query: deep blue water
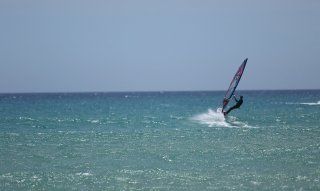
<point>160,141</point>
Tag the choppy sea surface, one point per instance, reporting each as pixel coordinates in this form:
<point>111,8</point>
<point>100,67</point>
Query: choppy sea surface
<point>160,141</point>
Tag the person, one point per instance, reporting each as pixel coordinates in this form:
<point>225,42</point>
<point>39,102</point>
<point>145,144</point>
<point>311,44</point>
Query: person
<point>238,104</point>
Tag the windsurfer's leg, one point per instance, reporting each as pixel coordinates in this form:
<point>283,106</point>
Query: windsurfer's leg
<point>230,109</point>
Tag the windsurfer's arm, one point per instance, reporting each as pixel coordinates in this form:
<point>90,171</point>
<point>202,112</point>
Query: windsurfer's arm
<point>235,98</point>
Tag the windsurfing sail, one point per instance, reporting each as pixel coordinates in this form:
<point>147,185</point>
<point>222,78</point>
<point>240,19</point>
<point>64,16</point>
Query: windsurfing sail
<point>233,85</point>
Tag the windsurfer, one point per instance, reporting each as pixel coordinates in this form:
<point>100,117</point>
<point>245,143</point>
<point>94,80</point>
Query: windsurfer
<point>236,106</point>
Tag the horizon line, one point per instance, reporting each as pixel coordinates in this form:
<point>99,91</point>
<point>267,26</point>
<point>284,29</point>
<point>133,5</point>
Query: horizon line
<point>153,91</point>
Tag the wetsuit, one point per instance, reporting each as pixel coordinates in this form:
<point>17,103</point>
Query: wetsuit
<point>238,104</point>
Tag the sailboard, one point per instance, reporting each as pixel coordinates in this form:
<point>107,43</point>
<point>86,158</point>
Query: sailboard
<point>233,84</point>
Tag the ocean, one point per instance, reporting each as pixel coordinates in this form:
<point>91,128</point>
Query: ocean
<point>160,141</point>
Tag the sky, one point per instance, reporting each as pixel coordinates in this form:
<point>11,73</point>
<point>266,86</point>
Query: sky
<point>157,45</point>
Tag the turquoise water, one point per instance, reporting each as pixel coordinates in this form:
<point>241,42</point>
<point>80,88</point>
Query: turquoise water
<point>160,141</point>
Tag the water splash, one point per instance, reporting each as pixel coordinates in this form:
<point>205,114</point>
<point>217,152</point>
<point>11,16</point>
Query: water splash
<point>216,119</point>
<point>212,118</point>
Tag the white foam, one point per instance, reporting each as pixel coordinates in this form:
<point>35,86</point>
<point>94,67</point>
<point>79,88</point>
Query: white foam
<point>84,174</point>
<point>238,124</point>
<point>212,118</point>
<point>93,120</point>
<point>311,103</point>
<point>216,119</point>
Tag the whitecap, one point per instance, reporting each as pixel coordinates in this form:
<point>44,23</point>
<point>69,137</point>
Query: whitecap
<point>84,174</point>
<point>176,117</point>
<point>93,121</point>
<point>311,103</point>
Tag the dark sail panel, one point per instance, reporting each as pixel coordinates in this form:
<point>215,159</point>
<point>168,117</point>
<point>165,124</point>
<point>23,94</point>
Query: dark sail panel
<point>233,85</point>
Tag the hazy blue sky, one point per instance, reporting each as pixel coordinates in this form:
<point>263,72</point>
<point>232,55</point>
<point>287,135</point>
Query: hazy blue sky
<point>133,45</point>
